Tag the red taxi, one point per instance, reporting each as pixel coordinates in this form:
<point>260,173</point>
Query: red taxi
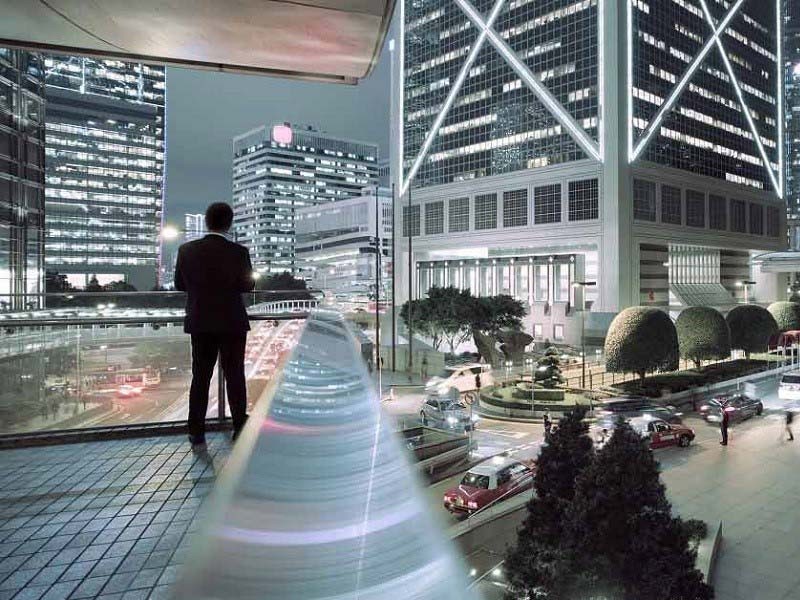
<point>663,434</point>
<point>491,481</point>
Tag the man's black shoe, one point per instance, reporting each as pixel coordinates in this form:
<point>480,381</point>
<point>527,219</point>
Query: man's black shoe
<point>198,442</point>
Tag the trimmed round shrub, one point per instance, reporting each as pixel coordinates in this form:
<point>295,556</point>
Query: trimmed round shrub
<point>703,334</point>
<point>751,328</point>
<point>640,340</point>
<point>786,315</point>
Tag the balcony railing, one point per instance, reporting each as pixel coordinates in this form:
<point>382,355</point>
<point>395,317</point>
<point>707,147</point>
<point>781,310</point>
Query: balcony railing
<point>81,364</point>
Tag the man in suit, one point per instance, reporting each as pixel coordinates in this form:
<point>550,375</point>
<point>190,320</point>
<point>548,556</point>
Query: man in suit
<point>214,272</point>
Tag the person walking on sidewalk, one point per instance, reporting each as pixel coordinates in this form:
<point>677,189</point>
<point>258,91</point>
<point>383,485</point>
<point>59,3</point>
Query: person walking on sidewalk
<point>789,419</point>
<point>723,427</point>
<point>424,372</point>
<point>548,426</point>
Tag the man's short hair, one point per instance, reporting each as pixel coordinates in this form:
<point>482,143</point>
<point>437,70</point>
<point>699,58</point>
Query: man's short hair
<point>219,216</point>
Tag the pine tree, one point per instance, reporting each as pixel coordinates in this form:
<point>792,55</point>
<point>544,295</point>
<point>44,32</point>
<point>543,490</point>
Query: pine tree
<point>621,538</point>
<point>548,371</point>
<point>536,563</point>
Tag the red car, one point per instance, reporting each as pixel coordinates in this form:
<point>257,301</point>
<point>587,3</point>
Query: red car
<point>663,434</point>
<point>491,481</point>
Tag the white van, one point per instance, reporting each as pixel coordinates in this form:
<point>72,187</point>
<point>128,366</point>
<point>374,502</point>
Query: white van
<point>789,388</point>
<point>461,377</point>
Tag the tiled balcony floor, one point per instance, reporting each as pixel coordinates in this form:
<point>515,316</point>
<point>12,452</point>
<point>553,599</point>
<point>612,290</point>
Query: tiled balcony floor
<point>110,519</point>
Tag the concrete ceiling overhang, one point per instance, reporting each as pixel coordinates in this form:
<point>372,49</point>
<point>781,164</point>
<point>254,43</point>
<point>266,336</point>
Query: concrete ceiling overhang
<point>330,40</point>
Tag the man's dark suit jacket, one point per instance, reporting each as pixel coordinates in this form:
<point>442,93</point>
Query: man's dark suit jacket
<point>214,272</point>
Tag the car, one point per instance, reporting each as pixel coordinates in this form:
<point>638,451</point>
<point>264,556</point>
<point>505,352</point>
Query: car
<point>630,407</point>
<point>126,391</point>
<point>488,482</point>
<point>660,433</point>
<point>447,411</point>
<point>789,388</point>
<point>461,377</point>
<point>738,406</point>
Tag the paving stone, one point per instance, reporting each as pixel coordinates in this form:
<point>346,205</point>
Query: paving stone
<point>89,588</point>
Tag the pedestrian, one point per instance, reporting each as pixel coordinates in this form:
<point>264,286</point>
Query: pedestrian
<point>215,272</point>
<point>789,419</point>
<point>548,426</point>
<point>424,368</point>
<point>478,382</point>
<point>723,427</point>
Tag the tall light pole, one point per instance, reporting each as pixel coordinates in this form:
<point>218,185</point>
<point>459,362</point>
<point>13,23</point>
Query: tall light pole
<point>582,285</point>
<point>378,252</point>
<point>411,274</point>
<point>394,278</point>
<point>746,285</point>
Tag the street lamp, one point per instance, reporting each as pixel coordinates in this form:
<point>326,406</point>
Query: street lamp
<point>746,285</point>
<point>529,362</point>
<point>583,285</point>
<point>170,233</point>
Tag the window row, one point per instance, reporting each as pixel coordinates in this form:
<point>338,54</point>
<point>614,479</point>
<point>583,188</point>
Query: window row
<point>694,208</point>
<point>511,208</point>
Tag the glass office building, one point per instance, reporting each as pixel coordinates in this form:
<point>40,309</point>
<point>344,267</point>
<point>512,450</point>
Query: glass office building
<point>496,123</point>
<point>281,168</point>
<point>105,169</point>
<point>22,109</point>
<point>544,143</point>
<point>792,104</point>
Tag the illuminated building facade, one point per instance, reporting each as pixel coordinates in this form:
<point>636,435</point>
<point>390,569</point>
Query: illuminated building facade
<point>792,103</point>
<point>22,109</point>
<point>335,246</point>
<point>105,169</point>
<point>194,225</point>
<point>281,168</point>
<point>635,144</point>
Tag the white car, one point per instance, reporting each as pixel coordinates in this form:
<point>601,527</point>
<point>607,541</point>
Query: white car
<point>789,388</point>
<point>461,377</point>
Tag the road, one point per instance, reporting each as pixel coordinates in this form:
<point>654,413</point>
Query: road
<point>704,482</point>
<point>169,400</point>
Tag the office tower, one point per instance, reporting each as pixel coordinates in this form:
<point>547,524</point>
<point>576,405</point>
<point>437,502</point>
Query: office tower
<point>792,103</point>
<point>281,168</point>
<point>105,169</point>
<point>194,226</point>
<point>335,247</point>
<point>635,145</point>
<point>22,109</point>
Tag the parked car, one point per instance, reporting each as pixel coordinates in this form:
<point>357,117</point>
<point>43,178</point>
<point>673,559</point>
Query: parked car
<point>789,388</point>
<point>447,411</point>
<point>493,480</point>
<point>630,407</point>
<point>461,377</point>
<point>738,406</point>
<point>660,433</point>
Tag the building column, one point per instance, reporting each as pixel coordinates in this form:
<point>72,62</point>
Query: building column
<point>615,277</point>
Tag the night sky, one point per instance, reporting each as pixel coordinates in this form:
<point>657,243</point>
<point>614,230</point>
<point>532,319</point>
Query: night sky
<point>206,109</point>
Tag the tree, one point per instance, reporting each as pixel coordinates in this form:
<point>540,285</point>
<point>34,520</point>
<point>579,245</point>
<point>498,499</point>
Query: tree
<point>538,560</point>
<point>751,326</point>
<point>57,283</point>
<point>620,534</point>
<point>640,340</point>
<point>421,320</point>
<point>794,291</point>
<point>444,316</point>
<point>94,285</point>
<point>703,334</point>
<point>786,315</point>
<point>119,286</point>
<point>284,286</point>
<point>493,313</point>
<point>452,313</point>
<point>548,369</point>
